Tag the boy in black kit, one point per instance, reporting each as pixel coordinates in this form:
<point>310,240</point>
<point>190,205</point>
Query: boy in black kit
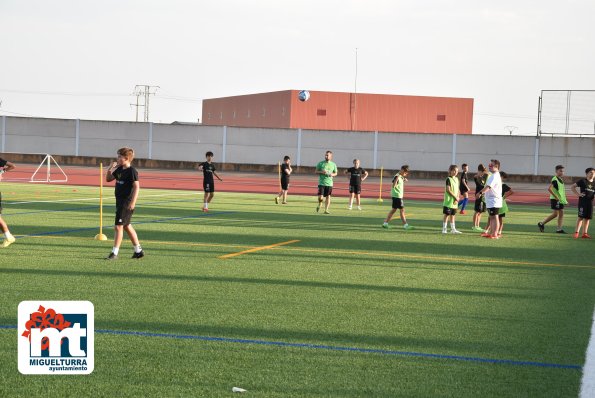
<point>480,205</point>
<point>8,238</point>
<point>356,176</point>
<point>585,202</point>
<point>464,187</point>
<point>285,173</point>
<point>208,182</point>
<point>127,188</point>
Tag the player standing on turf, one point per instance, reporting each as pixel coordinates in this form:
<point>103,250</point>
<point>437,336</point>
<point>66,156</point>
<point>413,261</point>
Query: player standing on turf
<point>397,192</point>
<point>286,171</point>
<point>208,182</point>
<point>585,202</point>
<point>558,200</point>
<point>480,205</point>
<point>8,238</point>
<point>451,198</point>
<point>326,170</point>
<point>506,192</point>
<point>464,187</point>
<point>127,189</point>
<point>356,176</point>
<point>493,197</point>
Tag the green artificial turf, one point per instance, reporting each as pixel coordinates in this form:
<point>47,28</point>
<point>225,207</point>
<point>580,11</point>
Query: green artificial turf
<point>437,308</point>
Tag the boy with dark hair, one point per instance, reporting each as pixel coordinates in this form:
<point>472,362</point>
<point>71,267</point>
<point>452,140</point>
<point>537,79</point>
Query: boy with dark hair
<point>480,205</point>
<point>464,187</point>
<point>585,202</point>
<point>451,199</point>
<point>356,176</point>
<point>208,182</point>
<point>126,192</point>
<point>493,198</point>
<point>8,238</point>
<point>326,170</point>
<point>286,171</point>
<point>506,192</point>
<point>558,200</point>
<point>397,193</point>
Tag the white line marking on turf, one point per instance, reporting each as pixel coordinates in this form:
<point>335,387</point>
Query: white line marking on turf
<point>588,382</point>
<point>96,199</point>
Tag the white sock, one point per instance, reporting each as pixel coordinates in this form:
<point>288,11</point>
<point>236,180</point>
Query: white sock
<point>8,235</point>
<point>385,223</point>
<point>138,249</point>
<point>452,226</point>
<point>444,226</point>
<point>206,205</point>
<point>115,250</point>
<point>405,225</point>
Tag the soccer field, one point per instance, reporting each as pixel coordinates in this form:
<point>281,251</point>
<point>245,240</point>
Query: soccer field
<point>282,301</point>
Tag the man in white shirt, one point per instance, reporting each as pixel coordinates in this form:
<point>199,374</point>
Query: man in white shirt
<point>493,197</point>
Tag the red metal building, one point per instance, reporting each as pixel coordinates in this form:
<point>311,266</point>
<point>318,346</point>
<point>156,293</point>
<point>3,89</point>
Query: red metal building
<point>342,111</point>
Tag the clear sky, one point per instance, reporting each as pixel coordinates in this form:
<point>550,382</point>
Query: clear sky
<point>81,59</point>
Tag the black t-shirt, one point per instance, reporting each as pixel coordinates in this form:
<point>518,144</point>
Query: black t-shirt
<point>588,188</point>
<point>505,188</point>
<point>207,171</point>
<point>284,175</point>
<point>356,175</point>
<point>480,182</point>
<point>2,162</point>
<point>464,182</point>
<point>125,179</point>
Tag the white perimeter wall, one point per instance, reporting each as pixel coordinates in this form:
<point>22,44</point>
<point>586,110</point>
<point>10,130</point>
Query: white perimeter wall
<point>427,152</point>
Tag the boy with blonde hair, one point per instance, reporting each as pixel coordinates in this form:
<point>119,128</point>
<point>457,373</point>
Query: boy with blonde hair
<point>126,192</point>
<point>451,200</point>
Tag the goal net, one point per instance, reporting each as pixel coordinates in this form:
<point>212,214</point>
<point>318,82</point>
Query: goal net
<point>566,112</point>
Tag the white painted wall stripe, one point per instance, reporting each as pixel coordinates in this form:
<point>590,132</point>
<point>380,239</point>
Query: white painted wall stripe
<point>588,383</point>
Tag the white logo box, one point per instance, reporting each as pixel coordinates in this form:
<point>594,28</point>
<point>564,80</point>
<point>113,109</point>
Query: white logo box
<point>78,358</point>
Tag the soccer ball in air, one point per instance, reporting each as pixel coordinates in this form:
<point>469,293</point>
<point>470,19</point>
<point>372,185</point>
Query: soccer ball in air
<point>304,95</point>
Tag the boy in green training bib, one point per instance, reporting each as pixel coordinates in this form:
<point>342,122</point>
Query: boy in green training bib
<point>451,200</point>
<point>558,200</point>
<point>397,193</point>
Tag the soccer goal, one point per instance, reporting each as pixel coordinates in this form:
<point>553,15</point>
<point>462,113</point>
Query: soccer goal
<point>566,112</point>
<point>44,171</point>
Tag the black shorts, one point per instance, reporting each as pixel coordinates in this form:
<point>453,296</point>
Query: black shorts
<point>208,186</point>
<point>284,185</point>
<point>357,189</point>
<point>398,203</point>
<point>494,211</point>
<point>463,190</point>
<point>324,190</point>
<point>502,215</point>
<point>555,205</point>
<point>123,214</point>
<point>448,211</point>
<point>585,210</point>
<point>480,206</point>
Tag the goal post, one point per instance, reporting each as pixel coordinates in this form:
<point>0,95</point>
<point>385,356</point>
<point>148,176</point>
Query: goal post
<point>43,173</point>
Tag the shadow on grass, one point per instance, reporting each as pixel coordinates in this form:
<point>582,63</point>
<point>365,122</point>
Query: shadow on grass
<point>262,281</point>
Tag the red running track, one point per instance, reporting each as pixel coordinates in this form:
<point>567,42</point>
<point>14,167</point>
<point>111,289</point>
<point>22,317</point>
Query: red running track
<point>267,183</point>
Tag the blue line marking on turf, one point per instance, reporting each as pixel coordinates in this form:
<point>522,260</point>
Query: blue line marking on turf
<point>335,348</point>
<point>65,231</point>
<point>88,208</point>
